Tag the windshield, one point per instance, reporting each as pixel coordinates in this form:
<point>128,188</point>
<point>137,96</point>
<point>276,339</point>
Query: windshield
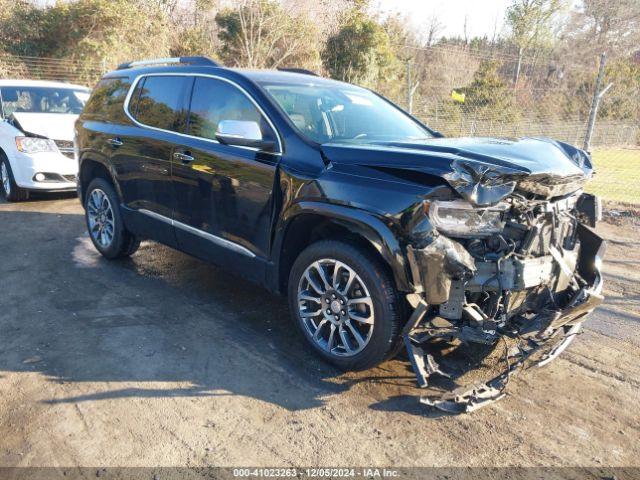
<point>343,114</point>
<point>42,100</point>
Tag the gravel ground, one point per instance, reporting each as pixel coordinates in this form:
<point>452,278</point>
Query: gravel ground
<point>164,360</point>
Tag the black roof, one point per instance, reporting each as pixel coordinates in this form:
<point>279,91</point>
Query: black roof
<point>204,65</point>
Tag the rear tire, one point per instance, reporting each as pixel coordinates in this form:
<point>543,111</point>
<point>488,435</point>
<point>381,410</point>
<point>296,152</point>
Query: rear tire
<point>358,305</point>
<point>12,192</point>
<point>104,222</point>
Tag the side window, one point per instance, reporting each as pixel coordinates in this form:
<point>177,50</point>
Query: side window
<point>135,97</point>
<point>161,101</point>
<point>13,99</point>
<point>215,100</point>
<point>107,100</point>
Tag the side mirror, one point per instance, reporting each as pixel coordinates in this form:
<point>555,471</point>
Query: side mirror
<point>243,133</point>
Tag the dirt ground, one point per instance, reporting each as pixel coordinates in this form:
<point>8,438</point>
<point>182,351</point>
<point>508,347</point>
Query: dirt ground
<point>164,360</point>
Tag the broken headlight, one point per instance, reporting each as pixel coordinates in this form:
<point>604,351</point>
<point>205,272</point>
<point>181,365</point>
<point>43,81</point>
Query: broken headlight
<point>459,218</point>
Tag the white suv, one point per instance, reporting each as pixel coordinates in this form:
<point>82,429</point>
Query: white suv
<point>36,136</point>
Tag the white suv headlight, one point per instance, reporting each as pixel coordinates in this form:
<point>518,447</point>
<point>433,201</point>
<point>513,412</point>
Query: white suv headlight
<point>35,145</point>
<point>459,218</point>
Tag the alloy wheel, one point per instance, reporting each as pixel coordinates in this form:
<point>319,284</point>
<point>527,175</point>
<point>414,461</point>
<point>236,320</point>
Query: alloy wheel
<point>101,218</point>
<point>335,307</point>
<point>6,181</point>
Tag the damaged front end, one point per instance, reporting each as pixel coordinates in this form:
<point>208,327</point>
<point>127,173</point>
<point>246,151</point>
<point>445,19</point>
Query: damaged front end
<point>513,265</point>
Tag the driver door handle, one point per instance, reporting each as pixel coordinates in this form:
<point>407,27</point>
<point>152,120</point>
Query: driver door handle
<point>185,158</point>
<point>115,142</point>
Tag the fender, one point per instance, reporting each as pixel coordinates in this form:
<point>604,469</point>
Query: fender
<point>8,132</point>
<point>97,157</point>
<point>365,224</point>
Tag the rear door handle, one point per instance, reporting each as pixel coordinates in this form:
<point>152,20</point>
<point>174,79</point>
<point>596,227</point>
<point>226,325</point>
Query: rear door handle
<point>115,142</point>
<point>185,158</point>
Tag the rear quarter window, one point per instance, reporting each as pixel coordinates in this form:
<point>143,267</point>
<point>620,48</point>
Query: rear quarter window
<point>107,101</point>
<point>159,102</point>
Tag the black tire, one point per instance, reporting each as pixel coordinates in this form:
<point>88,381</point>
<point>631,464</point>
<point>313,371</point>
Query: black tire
<point>15,193</point>
<point>123,242</point>
<point>387,306</point>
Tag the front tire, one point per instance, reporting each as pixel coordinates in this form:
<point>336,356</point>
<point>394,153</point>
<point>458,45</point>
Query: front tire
<point>345,303</point>
<point>12,192</point>
<point>104,222</point>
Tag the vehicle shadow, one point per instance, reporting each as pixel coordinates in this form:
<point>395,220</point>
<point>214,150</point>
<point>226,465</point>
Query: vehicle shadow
<point>163,324</point>
<point>160,324</point>
<point>41,196</point>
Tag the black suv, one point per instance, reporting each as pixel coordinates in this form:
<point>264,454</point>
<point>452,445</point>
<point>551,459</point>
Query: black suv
<point>325,191</point>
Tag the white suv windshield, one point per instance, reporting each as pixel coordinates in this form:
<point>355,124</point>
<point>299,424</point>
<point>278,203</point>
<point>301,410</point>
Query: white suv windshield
<point>42,100</point>
<point>343,114</point>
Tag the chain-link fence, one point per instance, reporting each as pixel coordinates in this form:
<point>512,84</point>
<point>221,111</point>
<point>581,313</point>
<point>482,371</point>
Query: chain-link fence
<point>64,70</point>
<point>465,92</point>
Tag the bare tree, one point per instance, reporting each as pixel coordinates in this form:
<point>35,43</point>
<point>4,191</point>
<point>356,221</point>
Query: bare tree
<point>261,34</point>
<point>530,22</point>
<point>494,36</point>
<point>167,6</point>
<point>465,29</point>
<point>434,27</point>
<point>605,26</point>
<point>326,14</point>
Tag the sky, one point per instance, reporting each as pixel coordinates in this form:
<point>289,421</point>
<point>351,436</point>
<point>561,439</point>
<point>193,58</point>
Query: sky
<point>481,14</point>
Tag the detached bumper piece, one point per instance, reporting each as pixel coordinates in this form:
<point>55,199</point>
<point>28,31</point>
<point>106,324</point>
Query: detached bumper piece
<point>546,346</point>
<point>531,290</point>
<point>468,399</point>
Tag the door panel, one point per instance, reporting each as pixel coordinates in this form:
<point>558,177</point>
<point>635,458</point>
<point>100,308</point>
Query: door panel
<point>226,191</point>
<point>141,153</point>
<point>143,166</point>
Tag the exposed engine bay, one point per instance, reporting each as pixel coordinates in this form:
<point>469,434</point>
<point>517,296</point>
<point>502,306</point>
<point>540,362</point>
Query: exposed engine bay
<point>528,270</point>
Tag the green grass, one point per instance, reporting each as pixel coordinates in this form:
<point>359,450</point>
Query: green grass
<point>617,175</point>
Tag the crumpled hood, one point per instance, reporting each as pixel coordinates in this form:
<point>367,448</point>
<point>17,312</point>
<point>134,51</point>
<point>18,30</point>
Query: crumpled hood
<point>481,170</point>
<point>56,126</point>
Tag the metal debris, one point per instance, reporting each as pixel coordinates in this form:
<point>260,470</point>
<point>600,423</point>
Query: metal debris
<point>534,282</point>
<point>465,399</point>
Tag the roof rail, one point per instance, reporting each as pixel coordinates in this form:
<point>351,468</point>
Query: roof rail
<point>299,70</point>
<point>204,61</point>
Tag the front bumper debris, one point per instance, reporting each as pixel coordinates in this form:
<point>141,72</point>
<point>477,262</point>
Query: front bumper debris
<point>566,285</point>
<point>467,399</point>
